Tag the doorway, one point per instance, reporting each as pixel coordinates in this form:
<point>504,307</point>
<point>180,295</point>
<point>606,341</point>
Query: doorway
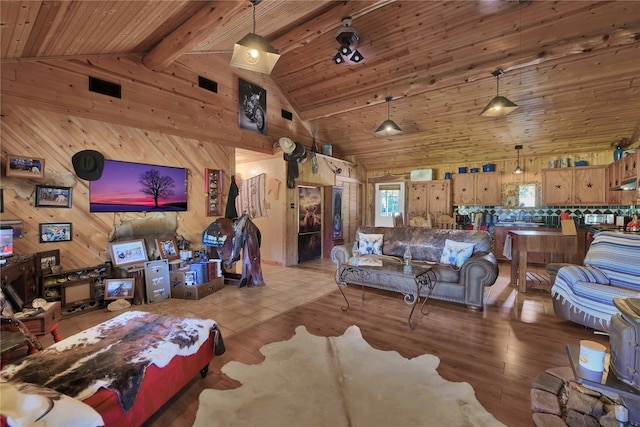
<point>389,201</point>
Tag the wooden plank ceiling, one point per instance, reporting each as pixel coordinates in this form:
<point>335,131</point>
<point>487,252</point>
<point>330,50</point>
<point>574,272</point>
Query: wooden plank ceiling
<point>573,67</point>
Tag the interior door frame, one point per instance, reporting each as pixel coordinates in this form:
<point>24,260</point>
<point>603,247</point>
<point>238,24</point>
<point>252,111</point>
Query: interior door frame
<point>387,221</point>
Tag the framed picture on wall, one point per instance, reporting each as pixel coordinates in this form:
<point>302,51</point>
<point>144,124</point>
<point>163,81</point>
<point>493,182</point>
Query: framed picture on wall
<point>252,107</point>
<point>336,212</point>
<point>25,167</point>
<point>53,197</point>
<point>213,188</point>
<point>55,232</point>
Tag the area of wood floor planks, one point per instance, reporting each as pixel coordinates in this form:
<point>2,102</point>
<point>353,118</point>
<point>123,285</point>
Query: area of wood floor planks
<point>498,351</point>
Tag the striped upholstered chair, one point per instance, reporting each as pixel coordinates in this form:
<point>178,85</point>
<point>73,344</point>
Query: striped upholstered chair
<point>584,294</point>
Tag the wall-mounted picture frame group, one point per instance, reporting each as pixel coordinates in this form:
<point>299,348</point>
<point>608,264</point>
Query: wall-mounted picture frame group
<point>168,248</point>
<point>119,288</point>
<point>213,187</point>
<point>128,252</point>
<point>55,232</point>
<point>25,167</point>
<point>50,196</point>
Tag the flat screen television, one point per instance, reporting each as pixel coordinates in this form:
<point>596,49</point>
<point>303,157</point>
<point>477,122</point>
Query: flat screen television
<point>6,242</point>
<point>138,187</point>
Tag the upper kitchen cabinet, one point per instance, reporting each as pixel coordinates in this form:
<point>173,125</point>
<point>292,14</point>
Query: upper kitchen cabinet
<point>482,189</point>
<point>585,185</point>
<point>432,197</point>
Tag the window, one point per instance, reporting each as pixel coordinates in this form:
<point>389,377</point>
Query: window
<point>527,195</point>
<point>389,202</point>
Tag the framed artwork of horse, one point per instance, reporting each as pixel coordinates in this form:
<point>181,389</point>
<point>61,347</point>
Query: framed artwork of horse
<point>53,197</point>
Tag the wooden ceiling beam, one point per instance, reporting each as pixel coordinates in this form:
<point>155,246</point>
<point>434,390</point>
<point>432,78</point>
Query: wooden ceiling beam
<point>424,81</point>
<point>194,31</point>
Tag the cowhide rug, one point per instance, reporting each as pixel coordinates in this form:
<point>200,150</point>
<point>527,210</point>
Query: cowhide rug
<point>343,381</point>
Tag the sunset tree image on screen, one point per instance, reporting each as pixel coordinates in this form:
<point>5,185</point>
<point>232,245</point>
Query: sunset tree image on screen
<point>155,185</point>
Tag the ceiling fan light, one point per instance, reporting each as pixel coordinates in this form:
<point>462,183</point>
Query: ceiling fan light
<point>388,128</point>
<point>498,106</point>
<point>254,53</point>
<point>338,59</point>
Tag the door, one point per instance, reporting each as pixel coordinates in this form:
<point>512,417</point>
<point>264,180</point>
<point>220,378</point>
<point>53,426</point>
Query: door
<point>389,201</point>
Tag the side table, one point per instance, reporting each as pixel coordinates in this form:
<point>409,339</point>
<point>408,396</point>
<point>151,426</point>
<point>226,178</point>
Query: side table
<point>35,324</point>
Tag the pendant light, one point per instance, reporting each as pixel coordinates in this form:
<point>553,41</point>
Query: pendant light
<point>253,52</point>
<point>388,127</point>
<point>499,105</point>
<point>518,168</point>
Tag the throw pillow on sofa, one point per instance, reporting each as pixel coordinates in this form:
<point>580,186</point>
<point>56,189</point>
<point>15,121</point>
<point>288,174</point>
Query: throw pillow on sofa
<point>370,244</point>
<point>456,253</point>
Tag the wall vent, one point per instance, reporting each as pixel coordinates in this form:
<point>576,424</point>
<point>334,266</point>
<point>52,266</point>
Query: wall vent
<point>104,87</point>
<point>207,84</point>
<point>287,115</point>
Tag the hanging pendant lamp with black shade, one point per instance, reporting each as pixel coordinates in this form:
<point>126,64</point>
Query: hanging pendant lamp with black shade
<point>499,105</point>
<point>253,52</point>
<point>388,127</point>
<point>518,169</point>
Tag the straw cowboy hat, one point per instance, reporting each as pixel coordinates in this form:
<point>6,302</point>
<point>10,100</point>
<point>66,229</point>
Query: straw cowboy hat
<point>286,144</point>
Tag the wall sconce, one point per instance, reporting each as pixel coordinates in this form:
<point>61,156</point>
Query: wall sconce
<point>499,105</point>
<point>348,37</point>
<point>388,127</point>
<point>253,52</point>
<point>518,169</point>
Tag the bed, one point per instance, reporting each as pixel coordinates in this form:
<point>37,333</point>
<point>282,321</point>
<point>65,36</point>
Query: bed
<point>122,370</point>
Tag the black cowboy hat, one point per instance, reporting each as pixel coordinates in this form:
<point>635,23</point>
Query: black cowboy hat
<point>88,164</point>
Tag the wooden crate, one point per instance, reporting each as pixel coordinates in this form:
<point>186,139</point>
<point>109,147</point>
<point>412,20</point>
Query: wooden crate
<point>195,292</point>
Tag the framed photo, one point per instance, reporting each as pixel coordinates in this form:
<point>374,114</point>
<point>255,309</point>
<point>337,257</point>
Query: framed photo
<point>15,224</point>
<point>168,248</point>
<point>118,288</point>
<point>55,232</point>
<point>25,167</point>
<point>128,252</point>
<point>252,107</point>
<point>213,188</point>
<point>53,197</point>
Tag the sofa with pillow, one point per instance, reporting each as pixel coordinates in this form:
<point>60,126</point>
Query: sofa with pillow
<point>461,259</point>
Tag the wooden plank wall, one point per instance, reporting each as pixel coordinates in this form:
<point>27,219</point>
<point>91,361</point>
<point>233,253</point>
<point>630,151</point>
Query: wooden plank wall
<point>162,118</point>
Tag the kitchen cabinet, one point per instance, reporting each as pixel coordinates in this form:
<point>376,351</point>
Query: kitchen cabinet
<point>613,182</point>
<point>585,185</point>
<point>432,197</point>
<point>477,189</point>
<point>629,166</point>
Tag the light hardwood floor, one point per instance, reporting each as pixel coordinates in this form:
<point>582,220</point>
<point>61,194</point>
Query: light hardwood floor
<point>498,351</point>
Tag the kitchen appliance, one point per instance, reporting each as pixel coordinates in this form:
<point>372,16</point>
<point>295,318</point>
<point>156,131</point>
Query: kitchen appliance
<point>598,219</point>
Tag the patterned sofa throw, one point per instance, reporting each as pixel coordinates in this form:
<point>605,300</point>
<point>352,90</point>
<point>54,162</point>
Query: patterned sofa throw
<point>584,293</point>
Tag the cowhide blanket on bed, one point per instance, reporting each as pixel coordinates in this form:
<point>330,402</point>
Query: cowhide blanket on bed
<point>114,355</point>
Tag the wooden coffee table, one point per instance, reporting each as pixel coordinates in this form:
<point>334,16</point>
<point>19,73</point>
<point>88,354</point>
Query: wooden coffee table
<point>409,280</point>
